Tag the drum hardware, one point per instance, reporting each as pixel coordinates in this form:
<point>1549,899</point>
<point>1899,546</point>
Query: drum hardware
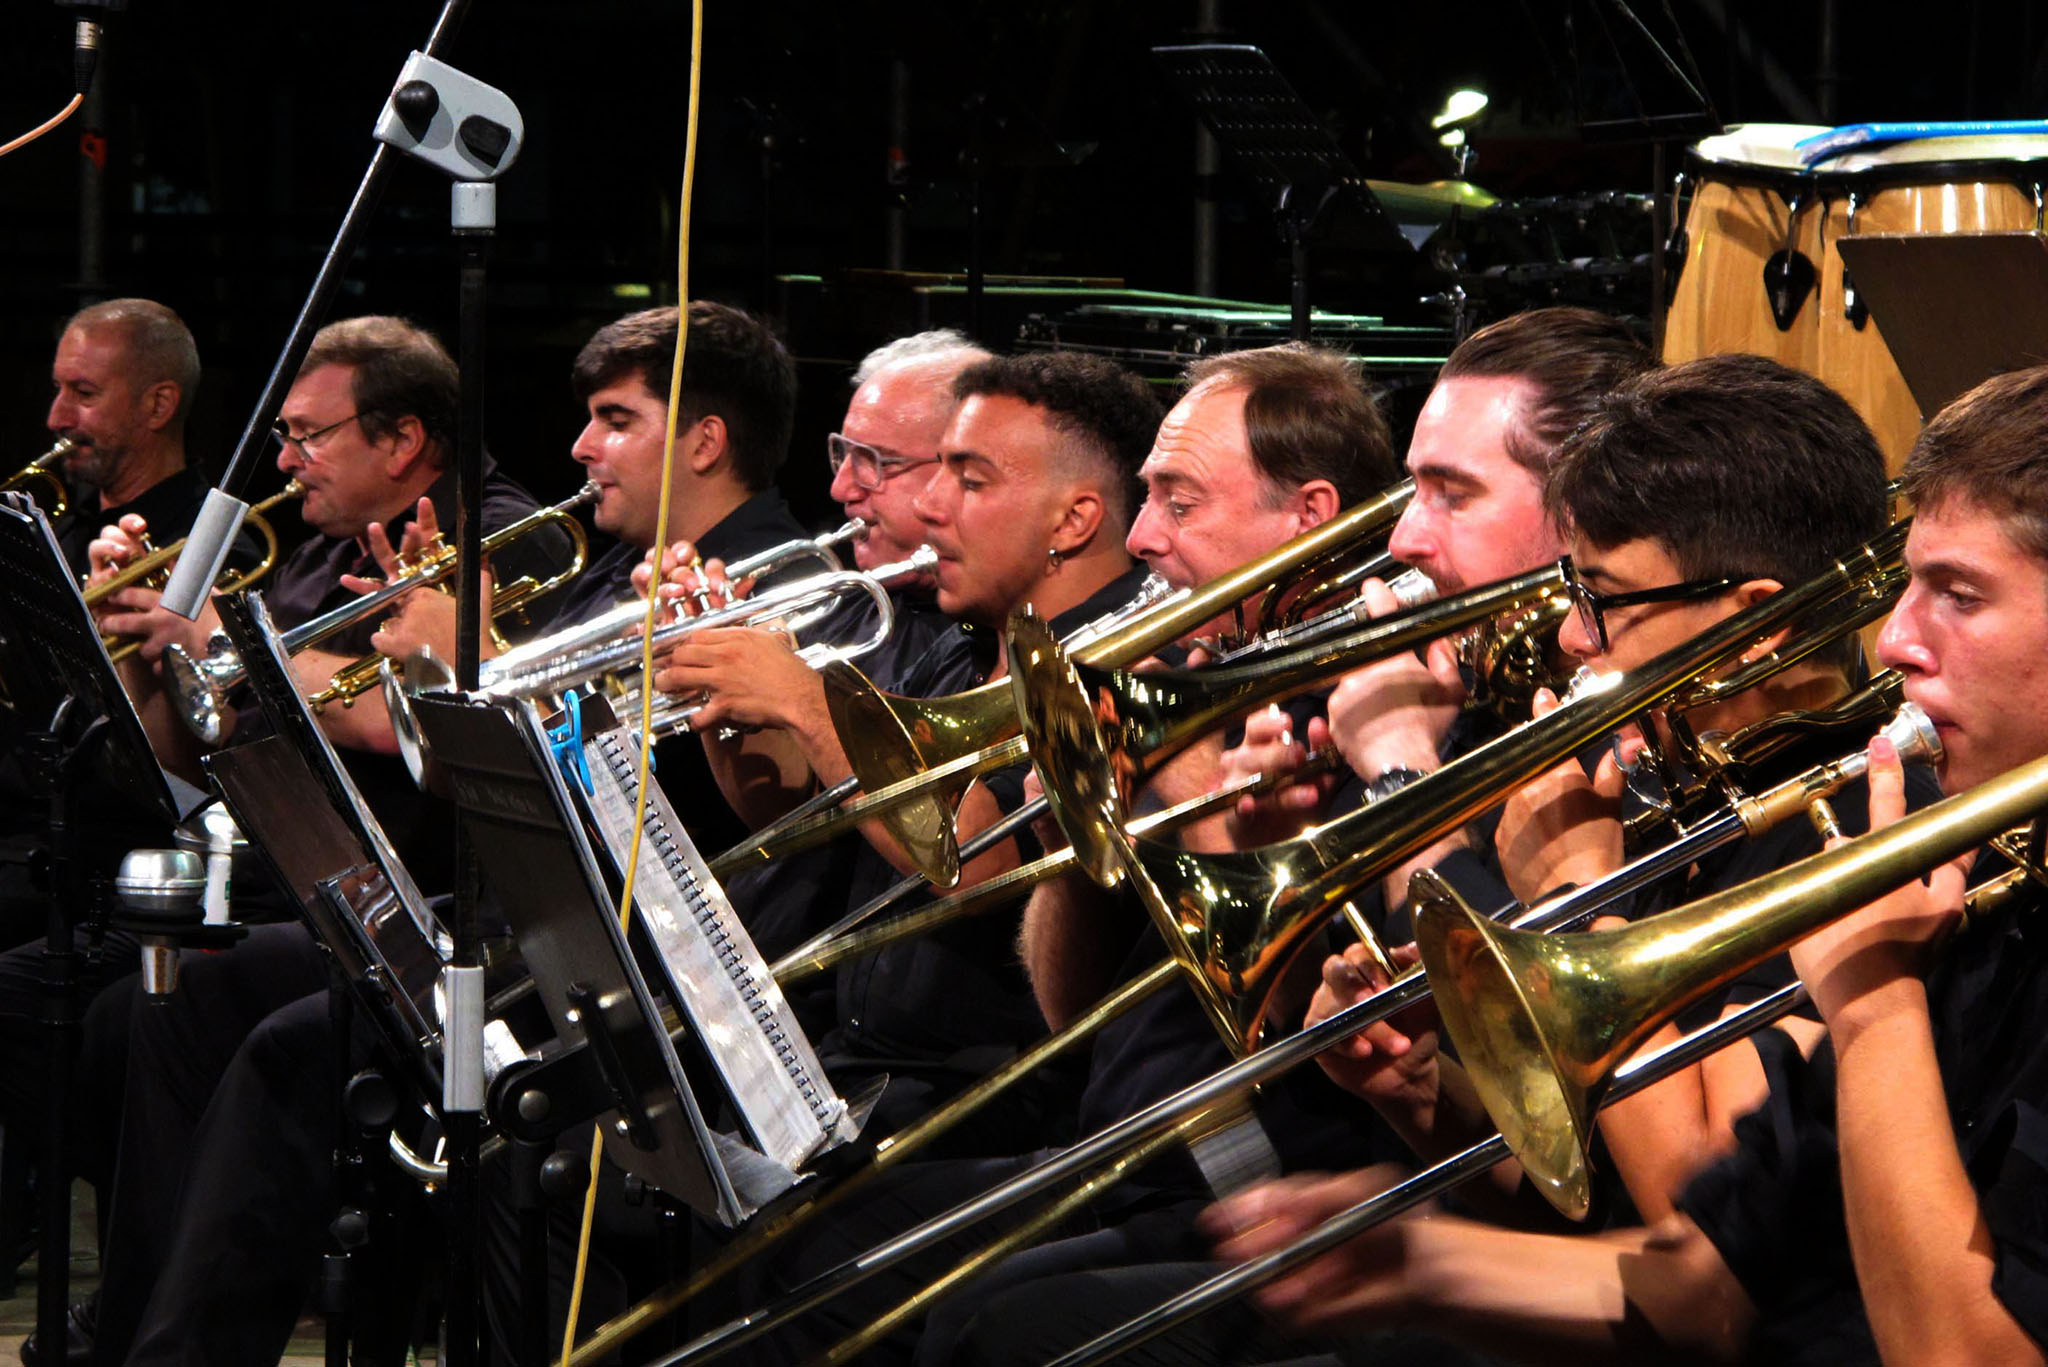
<point>1678,244</point>
<point>1853,307</point>
<point>1789,275</point>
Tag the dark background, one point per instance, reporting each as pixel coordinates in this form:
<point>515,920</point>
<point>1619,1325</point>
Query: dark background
<point>234,137</point>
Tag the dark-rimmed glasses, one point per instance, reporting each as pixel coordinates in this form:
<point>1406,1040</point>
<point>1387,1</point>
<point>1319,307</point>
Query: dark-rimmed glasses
<point>871,467</point>
<point>1593,606</point>
<point>311,439</point>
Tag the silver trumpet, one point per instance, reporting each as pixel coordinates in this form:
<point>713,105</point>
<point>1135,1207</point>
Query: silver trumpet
<point>551,666</point>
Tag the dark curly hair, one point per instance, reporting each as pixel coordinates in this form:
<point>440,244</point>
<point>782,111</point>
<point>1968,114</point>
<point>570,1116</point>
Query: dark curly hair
<point>1108,414</point>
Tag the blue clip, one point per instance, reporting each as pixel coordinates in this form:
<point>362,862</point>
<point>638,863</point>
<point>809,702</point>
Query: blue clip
<point>566,741</point>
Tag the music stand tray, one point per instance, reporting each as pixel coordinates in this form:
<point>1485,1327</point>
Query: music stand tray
<point>50,651</point>
<point>528,826</point>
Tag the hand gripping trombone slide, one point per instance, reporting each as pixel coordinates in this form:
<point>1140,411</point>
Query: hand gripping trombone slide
<point>1516,1030</point>
<point>1860,585</point>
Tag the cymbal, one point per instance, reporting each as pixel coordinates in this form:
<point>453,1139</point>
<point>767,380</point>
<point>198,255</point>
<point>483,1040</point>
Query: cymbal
<point>1432,197</point>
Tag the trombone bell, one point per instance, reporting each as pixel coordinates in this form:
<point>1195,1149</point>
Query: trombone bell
<point>892,737</point>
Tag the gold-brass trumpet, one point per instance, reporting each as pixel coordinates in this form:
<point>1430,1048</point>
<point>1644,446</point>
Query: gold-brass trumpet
<point>152,568</point>
<point>929,749</point>
<point>1541,1022</point>
<point>199,688</point>
<point>1236,920</point>
<point>42,470</point>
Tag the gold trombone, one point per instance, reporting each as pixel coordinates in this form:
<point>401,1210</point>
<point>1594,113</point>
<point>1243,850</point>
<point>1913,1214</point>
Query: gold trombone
<point>43,470</point>
<point>1235,920</point>
<point>915,756</point>
<point>1638,1073</point>
<point>1541,1027</point>
<point>199,688</point>
<point>152,568</point>
<point>1860,586</point>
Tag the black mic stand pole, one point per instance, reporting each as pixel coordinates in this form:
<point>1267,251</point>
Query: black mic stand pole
<point>220,517</point>
<point>55,768</point>
<point>473,219</point>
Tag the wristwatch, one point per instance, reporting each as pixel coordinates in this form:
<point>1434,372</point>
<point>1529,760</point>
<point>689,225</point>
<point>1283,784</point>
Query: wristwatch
<point>1389,782</point>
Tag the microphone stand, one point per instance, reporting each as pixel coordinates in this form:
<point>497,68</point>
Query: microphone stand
<point>220,518</point>
<point>473,220</point>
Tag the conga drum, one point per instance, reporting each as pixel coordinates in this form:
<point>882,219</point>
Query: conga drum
<point>1751,233</point>
<point>1928,185</point>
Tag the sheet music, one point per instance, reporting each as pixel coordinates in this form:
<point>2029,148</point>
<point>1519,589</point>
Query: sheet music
<point>769,1068</point>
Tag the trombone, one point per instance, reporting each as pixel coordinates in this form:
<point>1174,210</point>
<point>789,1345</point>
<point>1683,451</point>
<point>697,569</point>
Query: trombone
<point>1236,920</point>
<point>1269,1062</point>
<point>1861,585</point>
<point>199,688</point>
<point>913,756</point>
<point>43,470</point>
<point>152,568</point>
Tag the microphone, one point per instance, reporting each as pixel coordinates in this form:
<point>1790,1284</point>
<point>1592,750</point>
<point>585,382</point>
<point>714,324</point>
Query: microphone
<point>85,40</point>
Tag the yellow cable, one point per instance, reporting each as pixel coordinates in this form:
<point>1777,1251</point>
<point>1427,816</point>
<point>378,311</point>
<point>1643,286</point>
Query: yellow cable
<point>26,138</point>
<point>668,460</point>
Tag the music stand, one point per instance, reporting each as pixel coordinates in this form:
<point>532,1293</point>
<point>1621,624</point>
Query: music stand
<point>294,799</point>
<point>528,826</point>
<point>1278,141</point>
<point>81,725</point>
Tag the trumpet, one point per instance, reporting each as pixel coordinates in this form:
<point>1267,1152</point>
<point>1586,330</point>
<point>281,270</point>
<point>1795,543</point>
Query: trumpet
<point>553,665</point>
<point>913,756</point>
<point>152,568</point>
<point>42,470</point>
<point>199,688</point>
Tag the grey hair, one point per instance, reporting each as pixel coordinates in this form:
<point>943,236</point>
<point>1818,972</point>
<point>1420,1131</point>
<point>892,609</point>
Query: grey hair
<point>918,346</point>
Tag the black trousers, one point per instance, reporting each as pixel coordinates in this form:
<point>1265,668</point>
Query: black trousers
<point>96,1083</point>
<point>221,1191</point>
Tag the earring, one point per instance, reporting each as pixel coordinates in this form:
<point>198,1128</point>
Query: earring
<point>1052,560</point>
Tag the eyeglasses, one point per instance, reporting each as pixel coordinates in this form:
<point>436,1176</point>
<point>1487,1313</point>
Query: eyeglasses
<point>1593,606</point>
<point>870,466</point>
<point>306,443</point>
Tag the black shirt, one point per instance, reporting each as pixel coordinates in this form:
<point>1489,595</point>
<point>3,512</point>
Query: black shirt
<point>169,505</point>
<point>308,583</point>
<point>784,902</point>
<point>1774,1207</point>
<point>921,1001</point>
